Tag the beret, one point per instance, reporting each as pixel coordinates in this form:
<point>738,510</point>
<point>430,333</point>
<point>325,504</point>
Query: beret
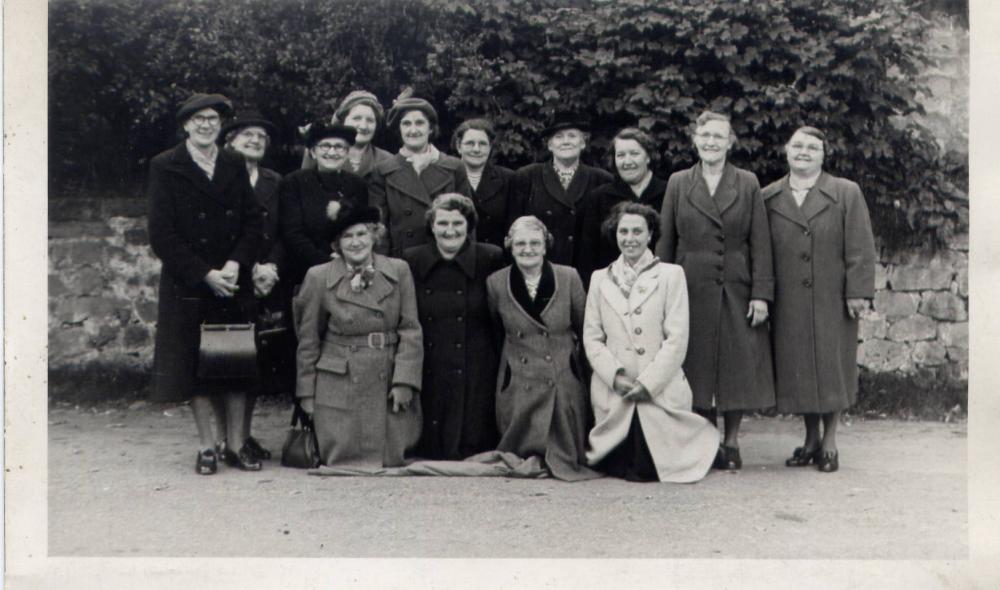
<point>199,101</point>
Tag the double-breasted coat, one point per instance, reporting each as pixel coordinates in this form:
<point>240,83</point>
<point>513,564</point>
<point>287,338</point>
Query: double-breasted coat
<point>565,212</point>
<point>724,246</point>
<point>542,403</point>
<point>404,196</point>
<point>461,351</point>
<point>496,203</point>
<point>353,347</point>
<point>645,335</point>
<point>197,225</point>
<point>824,254</point>
<point>606,197</point>
<point>305,226</point>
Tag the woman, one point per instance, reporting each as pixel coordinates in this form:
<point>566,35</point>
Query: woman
<point>404,186</point>
<point>205,226</point>
<point>824,263</point>
<point>311,198</point>
<point>542,405</point>
<point>361,110</point>
<point>632,153</point>
<point>715,226</point>
<point>491,186</point>
<point>460,351</point>
<point>360,353</point>
<point>635,335</point>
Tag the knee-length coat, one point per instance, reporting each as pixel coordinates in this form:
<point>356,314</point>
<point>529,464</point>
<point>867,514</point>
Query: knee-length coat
<point>542,403</point>
<point>645,335</point>
<point>404,196</point>
<point>196,225</point>
<point>343,368</point>
<point>496,203</point>
<point>824,253</point>
<point>724,246</point>
<point>461,351</point>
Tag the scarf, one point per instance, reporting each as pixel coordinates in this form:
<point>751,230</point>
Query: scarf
<point>625,275</point>
<point>206,163</point>
<point>565,174</point>
<point>361,276</point>
<point>421,160</point>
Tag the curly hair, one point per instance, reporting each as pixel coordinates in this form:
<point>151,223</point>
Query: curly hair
<point>452,202</point>
<point>529,222</point>
<point>377,230</point>
<point>637,135</point>
<point>609,228</point>
<point>478,124</point>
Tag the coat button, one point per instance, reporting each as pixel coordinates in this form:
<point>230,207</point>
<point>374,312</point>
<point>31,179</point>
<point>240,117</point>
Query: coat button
<point>719,281</point>
<point>720,237</point>
<point>460,319</point>
<point>427,291</point>
<point>458,345</point>
<point>524,360</point>
<point>378,314</point>
<point>806,232</point>
<point>640,351</point>
<point>459,292</point>
<point>265,213</point>
<point>409,233</point>
<point>805,257</point>
<point>430,318</point>
<point>545,334</point>
<point>549,213</point>
<point>720,252</point>
<point>807,283</point>
<point>637,311</point>
<point>354,348</point>
<point>407,211</point>
<point>354,379</point>
<point>570,238</point>
<point>460,371</point>
<point>201,215</point>
<point>267,236</point>
<point>551,382</point>
<point>430,345</point>
<point>381,375</point>
<point>548,357</point>
<point>203,240</point>
<point>638,331</point>
<point>520,334</point>
<point>229,212</point>
<point>572,211</point>
<point>718,266</point>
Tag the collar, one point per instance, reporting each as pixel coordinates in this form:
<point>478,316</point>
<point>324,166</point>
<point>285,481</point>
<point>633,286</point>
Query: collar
<point>465,259</point>
<point>199,156</point>
<point>338,270</point>
<point>803,184</point>
<point>638,189</point>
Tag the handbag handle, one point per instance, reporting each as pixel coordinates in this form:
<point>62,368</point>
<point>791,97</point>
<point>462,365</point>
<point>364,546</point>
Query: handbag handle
<point>299,416</point>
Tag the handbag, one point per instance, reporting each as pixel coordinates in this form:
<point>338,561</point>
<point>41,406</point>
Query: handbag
<point>301,449</point>
<point>227,351</point>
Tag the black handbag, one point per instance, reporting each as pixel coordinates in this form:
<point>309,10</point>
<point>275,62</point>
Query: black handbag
<point>227,351</point>
<point>301,449</point>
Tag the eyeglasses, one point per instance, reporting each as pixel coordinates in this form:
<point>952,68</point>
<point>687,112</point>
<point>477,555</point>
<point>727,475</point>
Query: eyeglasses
<point>206,120</point>
<point>332,147</point>
<point>814,148</point>
<point>704,136</point>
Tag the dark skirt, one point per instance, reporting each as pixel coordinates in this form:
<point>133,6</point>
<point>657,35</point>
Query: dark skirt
<point>631,459</point>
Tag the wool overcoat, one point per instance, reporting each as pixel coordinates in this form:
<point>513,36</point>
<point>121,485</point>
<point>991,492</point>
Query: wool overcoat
<point>196,225</point>
<point>496,204</point>
<point>542,403</point>
<point>371,157</point>
<point>824,253</point>
<point>404,196</point>
<point>610,194</point>
<point>567,213</point>
<point>461,350</point>
<point>305,226</point>
<point>724,246</point>
<point>645,335</point>
<point>342,367</point>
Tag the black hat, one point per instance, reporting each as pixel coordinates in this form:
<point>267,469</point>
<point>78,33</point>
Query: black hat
<point>349,216</point>
<point>322,130</point>
<point>199,101</point>
<point>249,118</point>
<point>565,120</point>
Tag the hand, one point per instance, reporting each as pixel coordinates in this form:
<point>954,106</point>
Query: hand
<point>638,393</point>
<point>231,270</point>
<point>622,383</point>
<point>757,312</point>
<point>265,277</point>
<point>307,405</point>
<point>855,306</point>
<point>219,284</point>
<point>401,396</point>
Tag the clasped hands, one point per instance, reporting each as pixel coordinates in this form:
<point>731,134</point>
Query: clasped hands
<point>630,389</point>
<point>265,277</point>
<point>222,281</point>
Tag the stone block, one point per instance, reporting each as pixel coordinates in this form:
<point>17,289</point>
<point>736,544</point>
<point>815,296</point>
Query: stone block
<point>56,286</point>
<point>68,343</point>
<point>137,236</point>
<point>102,333</point>
<point>101,309</point>
<point>962,282</point>
<point>881,276</point>
<point>134,207</point>
<point>929,354</point>
<point>75,210</point>
<point>86,282</point>
<point>884,355</point>
<point>958,355</point>
<point>146,310</point>
<point>136,336</point>
<point>959,242</point>
<point>925,272</point>
<point>954,335</point>
<point>86,252</point>
<point>915,327</point>
<point>80,229</point>
<point>893,305</point>
<point>872,326</point>
<point>942,305</point>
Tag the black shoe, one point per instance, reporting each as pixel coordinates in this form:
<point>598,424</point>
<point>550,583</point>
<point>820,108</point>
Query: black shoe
<point>728,458</point>
<point>243,459</point>
<point>256,450</point>
<point>801,457</point>
<point>207,463</point>
<point>827,462</point>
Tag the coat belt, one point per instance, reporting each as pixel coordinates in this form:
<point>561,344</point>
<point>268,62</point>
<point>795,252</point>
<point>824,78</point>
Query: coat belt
<point>376,340</point>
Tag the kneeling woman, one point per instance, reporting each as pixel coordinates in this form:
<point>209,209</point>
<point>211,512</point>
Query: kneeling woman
<point>635,335</point>
<point>360,353</point>
<point>541,399</point>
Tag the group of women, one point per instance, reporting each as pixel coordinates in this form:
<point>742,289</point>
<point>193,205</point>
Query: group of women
<point>448,308</point>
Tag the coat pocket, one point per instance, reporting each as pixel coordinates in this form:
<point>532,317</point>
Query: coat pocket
<point>333,388</point>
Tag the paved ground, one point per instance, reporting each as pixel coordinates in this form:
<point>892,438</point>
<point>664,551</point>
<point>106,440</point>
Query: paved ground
<point>122,483</point>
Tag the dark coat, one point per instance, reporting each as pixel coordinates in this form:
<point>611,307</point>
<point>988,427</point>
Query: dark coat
<point>196,225</point>
<point>372,157</point>
<point>348,379</point>
<point>607,196</point>
<point>565,212</point>
<point>404,197</point>
<point>542,402</point>
<point>824,253</point>
<point>461,351</point>
<point>272,248</point>
<point>305,227</point>
<point>496,204</point>
<point>724,246</point>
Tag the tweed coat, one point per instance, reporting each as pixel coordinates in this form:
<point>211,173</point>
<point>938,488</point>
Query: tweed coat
<point>196,225</point>
<point>824,253</point>
<point>645,335</point>
<point>610,194</point>
<point>542,403</point>
<point>461,350</point>
<point>348,378</point>
<point>496,204</point>
<point>565,212</point>
<point>404,196</point>
<point>724,246</point>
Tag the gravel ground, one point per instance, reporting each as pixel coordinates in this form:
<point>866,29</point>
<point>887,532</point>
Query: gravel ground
<point>122,483</point>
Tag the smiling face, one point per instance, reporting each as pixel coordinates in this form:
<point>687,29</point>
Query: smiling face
<point>633,236</point>
<point>631,160</point>
<point>527,246</point>
<point>805,154</point>
<point>713,140</point>
<point>330,153</point>
<point>250,142</point>
<point>356,244</point>
<point>203,127</point>
<point>362,118</point>
<point>450,229</point>
<point>474,148</point>
<point>415,130</point>
<point>567,144</point>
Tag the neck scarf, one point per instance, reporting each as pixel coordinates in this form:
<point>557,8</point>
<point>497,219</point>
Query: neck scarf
<point>474,178</point>
<point>625,275</point>
<point>361,276</point>
<point>203,161</point>
<point>421,160</point>
<point>565,174</point>
<point>532,285</point>
<point>641,186</point>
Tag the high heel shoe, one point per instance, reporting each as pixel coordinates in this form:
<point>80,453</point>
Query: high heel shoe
<point>801,457</point>
<point>244,459</point>
<point>207,463</point>
<point>257,450</point>
<point>728,458</point>
<point>828,462</point>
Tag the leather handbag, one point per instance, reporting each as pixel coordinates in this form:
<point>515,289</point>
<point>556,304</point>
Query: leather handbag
<point>227,351</point>
<point>301,449</point>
